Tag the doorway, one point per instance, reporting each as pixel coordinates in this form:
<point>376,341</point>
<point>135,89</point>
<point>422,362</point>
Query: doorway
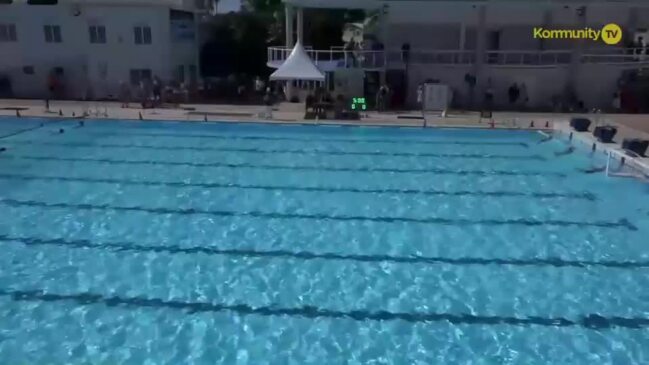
<point>493,45</point>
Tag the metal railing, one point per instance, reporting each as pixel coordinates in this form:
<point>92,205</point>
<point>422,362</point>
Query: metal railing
<point>531,58</point>
<point>363,59</point>
<point>378,59</point>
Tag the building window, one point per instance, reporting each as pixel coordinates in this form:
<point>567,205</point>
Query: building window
<point>142,35</point>
<point>28,70</point>
<point>7,32</point>
<point>138,75</point>
<point>42,2</point>
<point>97,34</point>
<point>52,33</point>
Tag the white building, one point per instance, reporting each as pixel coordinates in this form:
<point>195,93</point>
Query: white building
<point>489,39</point>
<point>95,44</point>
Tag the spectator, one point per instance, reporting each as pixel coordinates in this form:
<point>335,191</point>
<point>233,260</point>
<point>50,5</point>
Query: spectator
<point>617,101</point>
<point>382,98</point>
<point>640,49</point>
<point>260,85</point>
<point>513,94</point>
<point>268,102</point>
<point>124,94</point>
<point>144,95</point>
<point>157,91</point>
<point>489,96</point>
<point>523,95</point>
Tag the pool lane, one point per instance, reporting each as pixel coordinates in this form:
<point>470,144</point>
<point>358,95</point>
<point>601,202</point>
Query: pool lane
<point>590,321</point>
<point>623,223</point>
<point>290,167</point>
<point>492,290</point>
<point>263,151</point>
<point>216,185</point>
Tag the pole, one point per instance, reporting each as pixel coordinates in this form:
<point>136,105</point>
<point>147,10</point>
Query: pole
<point>300,25</point>
<point>289,44</point>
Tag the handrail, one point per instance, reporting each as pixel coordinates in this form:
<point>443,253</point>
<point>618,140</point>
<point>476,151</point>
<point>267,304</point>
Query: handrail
<point>377,59</point>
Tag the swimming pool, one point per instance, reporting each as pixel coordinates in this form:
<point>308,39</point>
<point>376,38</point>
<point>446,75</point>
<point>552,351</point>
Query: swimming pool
<point>178,243</point>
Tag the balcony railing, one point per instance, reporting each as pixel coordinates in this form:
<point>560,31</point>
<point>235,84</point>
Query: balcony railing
<point>337,57</point>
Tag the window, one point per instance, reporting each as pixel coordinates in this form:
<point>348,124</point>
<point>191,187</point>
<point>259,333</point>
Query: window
<point>142,35</point>
<point>97,34</point>
<point>28,70</point>
<point>7,32</point>
<point>52,33</point>
<point>42,2</point>
<point>138,75</point>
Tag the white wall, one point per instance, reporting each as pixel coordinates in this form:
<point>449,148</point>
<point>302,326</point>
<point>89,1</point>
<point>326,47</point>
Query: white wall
<point>595,83</point>
<point>429,12</point>
<point>76,54</point>
<point>439,36</point>
<point>420,22</point>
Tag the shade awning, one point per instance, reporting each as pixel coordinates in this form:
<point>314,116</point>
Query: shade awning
<point>298,66</point>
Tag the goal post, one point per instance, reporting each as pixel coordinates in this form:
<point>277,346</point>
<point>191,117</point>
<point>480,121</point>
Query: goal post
<point>436,100</point>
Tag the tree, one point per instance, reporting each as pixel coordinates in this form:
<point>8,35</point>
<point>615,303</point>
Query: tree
<point>250,34</point>
<point>268,7</point>
<point>219,53</point>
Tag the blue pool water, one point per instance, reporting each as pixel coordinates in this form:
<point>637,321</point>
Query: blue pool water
<point>172,243</point>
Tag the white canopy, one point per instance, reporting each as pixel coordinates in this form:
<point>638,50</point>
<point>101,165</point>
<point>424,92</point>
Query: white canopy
<point>298,66</point>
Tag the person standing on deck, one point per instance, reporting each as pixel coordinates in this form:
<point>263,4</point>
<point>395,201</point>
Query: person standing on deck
<point>124,94</point>
<point>268,102</point>
<point>513,93</point>
<point>51,90</point>
<point>489,96</point>
<point>616,101</point>
<point>381,98</point>
<point>523,96</point>
<point>157,91</point>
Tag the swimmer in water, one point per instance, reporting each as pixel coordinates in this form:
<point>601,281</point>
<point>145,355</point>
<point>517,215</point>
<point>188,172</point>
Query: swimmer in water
<point>592,170</point>
<point>2,149</point>
<point>570,150</point>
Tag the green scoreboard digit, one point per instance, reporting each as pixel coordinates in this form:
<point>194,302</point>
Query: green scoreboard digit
<point>359,104</point>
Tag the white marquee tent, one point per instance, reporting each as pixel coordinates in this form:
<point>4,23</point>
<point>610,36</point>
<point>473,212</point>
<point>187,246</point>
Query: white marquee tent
<point>298,66</point>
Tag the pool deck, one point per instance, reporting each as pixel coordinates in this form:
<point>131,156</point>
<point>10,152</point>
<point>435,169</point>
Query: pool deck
<point>629,125</point>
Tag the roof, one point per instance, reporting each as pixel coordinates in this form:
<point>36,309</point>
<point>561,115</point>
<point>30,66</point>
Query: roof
<point>374,4</point>
<point>177,4</point>
<point>298,66</point>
